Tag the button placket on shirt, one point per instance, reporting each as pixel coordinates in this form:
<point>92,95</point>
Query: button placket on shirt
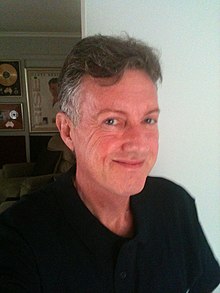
<point>123,275</point>
<point>125,268</point>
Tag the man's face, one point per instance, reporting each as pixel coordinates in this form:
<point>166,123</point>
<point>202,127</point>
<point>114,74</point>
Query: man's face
<point>116,140</point>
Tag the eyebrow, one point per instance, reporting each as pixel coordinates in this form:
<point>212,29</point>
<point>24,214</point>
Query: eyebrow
<point>156,110</point>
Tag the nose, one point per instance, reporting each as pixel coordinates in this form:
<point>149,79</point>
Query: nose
<point>136,139</point>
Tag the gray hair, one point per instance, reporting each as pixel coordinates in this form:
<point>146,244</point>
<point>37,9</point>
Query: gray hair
<point>103,57</point>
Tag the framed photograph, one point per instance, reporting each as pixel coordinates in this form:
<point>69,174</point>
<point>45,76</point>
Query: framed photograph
<point>10,79</point>
<point>11,117</point>
<point>42,94</point>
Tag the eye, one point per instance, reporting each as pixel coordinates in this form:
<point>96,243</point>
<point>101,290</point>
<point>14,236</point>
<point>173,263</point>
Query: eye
<point>150,121</point>
<point>111,121</point>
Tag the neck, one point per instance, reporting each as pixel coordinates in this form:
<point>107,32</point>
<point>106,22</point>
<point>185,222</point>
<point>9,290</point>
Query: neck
<point>111,210</point>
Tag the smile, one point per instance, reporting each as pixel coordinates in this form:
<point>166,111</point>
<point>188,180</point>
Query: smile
<point>130,164</point>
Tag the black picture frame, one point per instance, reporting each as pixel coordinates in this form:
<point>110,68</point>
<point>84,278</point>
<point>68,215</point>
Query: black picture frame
<point>10,78</point>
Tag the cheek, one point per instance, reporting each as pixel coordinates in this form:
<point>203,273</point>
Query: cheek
<point>94,146</point>
<point>154,144</point>
<point>103,146</point>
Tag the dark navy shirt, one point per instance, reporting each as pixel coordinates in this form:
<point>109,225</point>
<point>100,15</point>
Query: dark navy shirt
<point>50,242</point>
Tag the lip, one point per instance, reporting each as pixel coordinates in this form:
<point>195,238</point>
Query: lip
<point>131,164</point>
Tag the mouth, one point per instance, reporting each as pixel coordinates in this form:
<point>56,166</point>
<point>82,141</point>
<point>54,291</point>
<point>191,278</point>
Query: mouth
<point>130,164</point>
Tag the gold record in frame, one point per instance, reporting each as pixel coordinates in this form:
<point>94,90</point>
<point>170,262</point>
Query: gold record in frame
<point>8,74</point>
<point>10,84</point>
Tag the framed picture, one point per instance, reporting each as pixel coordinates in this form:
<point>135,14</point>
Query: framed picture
<point>11,117</point>
<point>42,94</point>
<point>10,79</point>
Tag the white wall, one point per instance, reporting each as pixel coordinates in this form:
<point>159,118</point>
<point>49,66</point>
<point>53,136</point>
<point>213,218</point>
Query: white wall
<point>188,37</point>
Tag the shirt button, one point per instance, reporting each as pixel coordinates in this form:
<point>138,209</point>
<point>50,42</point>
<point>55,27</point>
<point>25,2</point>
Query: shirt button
<point>123,275</point>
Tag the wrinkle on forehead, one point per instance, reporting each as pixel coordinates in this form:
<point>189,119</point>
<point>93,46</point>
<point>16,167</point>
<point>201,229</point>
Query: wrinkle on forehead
<point>103,90</point>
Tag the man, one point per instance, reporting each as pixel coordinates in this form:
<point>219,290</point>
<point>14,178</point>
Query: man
<point>106,226</point>
<point>53,88</point>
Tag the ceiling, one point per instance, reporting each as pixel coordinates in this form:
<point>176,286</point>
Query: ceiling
<point>40,17</point>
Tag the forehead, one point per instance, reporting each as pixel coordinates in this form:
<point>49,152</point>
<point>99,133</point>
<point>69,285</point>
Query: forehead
<point>133,85</point>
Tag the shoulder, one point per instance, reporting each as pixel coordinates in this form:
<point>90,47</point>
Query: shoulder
<point>169,200</point>
<point>165,189</point>
<point>174,212</point>
<point>38,207</point>
<point>164,183</point>
<point>31,208</point>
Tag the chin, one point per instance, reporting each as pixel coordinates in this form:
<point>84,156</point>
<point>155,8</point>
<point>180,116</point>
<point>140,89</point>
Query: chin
<point>137,190</point>
<point>132,188</point>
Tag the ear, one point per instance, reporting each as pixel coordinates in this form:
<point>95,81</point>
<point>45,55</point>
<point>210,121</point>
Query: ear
<point>66,128</point>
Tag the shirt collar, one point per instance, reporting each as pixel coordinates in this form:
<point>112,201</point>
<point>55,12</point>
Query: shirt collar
<point>98,239</point>
<point>94,234</point>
